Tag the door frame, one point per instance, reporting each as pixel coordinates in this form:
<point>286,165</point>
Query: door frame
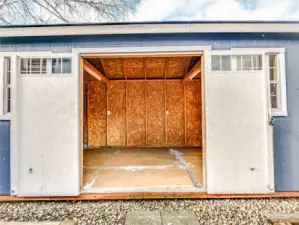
<point>144,51</point>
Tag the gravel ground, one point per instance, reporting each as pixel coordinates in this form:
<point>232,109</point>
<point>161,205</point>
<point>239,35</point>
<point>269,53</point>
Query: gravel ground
<point>220,211</point>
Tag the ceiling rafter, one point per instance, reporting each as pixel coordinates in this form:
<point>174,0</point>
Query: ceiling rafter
<point>196,69</point>
<point>93,71</point>
<point>124,69</point>
<point>166,68</point>
<point>188,61</point>
<point>144,67</point>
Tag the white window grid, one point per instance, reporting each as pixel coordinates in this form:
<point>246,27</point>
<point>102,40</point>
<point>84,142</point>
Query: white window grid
<point>255,62</point>
<point>274,81</point>
<point>237,63</point>
<point>61,66</point>
<point>33,66</point>
<point>45,66</point>
<point>7,85</point>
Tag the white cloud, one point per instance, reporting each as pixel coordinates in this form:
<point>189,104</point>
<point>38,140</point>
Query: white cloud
<point>160,10</point>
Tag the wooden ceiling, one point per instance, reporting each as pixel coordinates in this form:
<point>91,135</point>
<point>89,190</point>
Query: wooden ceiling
<point>144,67</point>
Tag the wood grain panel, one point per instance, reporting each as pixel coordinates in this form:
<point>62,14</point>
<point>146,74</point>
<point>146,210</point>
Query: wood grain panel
<point>155,113</point>
<point>136,113</point>
<point>155,68</point>
<point>96,109</point>
<point>85,123</point>
<point>116,134</point>
<point>193,113</point>
<point>177,67</point>
<point>175,119</point>
<point>113,68</point>
<point>134,68</point>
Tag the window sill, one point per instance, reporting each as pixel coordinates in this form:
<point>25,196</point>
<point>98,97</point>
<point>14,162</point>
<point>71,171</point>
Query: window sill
<point>6,116</point>
<point>278,113</point>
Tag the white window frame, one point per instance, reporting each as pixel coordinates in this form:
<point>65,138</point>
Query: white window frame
<point>6,86</point>
<point>281,84</point>
<point>48,58</point>
<point>233,59</point>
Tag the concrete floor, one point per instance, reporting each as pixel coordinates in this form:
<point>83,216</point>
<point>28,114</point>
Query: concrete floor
<point>107,168</point>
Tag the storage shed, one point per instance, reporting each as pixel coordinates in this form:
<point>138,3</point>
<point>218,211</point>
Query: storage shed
<point>149,110</point>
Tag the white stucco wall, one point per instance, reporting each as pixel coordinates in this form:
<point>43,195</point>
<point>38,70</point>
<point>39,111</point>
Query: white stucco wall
<point>48,135</point>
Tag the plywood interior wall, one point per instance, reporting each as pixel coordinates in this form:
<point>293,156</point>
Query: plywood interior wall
<point>144,113</point>
<point>155,113</point>
<point>96,109</point>
<point>175,105</point>
<point>193,113</point>
<point>136,113</point>
<point>116,119</point>
<point>85,122</point>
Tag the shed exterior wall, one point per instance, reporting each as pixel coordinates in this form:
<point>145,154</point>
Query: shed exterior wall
<point>286,129</point>
<point>4,157</point>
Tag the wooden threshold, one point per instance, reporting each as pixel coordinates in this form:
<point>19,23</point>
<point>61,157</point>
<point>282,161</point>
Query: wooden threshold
<point>152,195</point>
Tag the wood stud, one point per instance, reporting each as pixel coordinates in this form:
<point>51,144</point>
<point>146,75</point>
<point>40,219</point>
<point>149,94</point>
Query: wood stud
<point>196,69</point>
<point>93,71</point>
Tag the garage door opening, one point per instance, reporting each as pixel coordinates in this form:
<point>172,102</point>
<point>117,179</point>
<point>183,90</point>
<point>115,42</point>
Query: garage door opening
<point>142,124</point>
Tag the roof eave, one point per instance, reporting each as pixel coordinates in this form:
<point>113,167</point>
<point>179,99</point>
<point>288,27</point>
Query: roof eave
<point>148,28</point>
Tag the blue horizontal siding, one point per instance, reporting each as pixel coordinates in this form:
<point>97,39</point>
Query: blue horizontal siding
<point>4,157</point>
<point>286,129</point>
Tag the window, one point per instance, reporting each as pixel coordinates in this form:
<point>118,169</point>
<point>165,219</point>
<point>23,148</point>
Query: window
<point>249,62</point>
<point>33,66</point>
<point>7,85</point>
<point>273,80</point>
<point>61,65</point>
<point>236,62</point>
<point>277,84</point>
<point>39,66</point>
<point>221,63</point>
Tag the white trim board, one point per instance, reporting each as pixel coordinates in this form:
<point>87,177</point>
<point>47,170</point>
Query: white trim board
<point>144,50</point>
<point>147,189</point>
<point>221,27</point>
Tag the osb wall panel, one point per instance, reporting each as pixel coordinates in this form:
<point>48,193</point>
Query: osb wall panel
<point>85,127</point>
<point>113,68</point>
<point>155,91</point>
<point>116,134</point>
<point>193,113</point>
<point>177,67</point>
<point>96,108</point>
<point>134,68</point>
<point>136,113</point>
<point>175,119</point>
<point>155,68</point>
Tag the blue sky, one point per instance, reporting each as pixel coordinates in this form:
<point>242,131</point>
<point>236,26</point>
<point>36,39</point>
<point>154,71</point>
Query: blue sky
<point>160,10</point>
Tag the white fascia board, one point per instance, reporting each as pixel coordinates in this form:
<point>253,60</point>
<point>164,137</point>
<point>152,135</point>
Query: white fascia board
<point>142,50</point>
<point>263,50</point>
<point>149,28</point>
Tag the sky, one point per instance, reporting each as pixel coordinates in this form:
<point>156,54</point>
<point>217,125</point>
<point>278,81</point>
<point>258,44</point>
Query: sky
<point>167,10</point>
